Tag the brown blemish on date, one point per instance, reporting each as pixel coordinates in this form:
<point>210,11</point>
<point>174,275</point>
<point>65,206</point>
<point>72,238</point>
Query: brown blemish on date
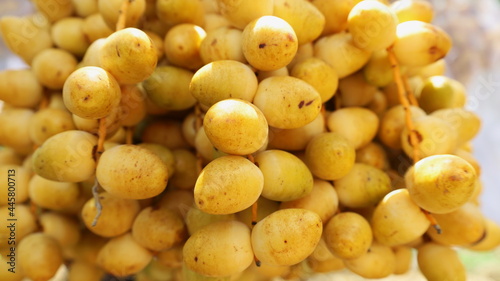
<point>302,103</point>
<point>262,45</point>
<point>290,37</point>
<point>117,51</point>
<point>213,42</point>
<point>457,177</point>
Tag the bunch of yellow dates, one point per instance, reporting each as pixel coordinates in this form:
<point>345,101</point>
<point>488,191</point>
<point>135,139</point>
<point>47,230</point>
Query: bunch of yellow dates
<point>234,140</point>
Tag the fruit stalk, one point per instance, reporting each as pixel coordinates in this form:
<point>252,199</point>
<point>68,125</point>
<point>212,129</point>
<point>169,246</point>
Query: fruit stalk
<point>406,101</point>
<point>409,93</point>
<point>406,104</point>
<point>102,121</point>
<point>120,24</point>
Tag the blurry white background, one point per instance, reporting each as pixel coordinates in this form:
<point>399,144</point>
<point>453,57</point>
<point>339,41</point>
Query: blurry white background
<point>474,60</point>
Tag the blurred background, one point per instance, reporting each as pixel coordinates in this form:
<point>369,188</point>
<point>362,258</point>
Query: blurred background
<point>474,60</point>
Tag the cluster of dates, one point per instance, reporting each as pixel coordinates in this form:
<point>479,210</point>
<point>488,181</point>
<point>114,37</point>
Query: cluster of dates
<point>235,140</point>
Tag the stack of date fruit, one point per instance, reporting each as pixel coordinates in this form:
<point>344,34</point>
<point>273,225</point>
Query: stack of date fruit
<point>235,140</point>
